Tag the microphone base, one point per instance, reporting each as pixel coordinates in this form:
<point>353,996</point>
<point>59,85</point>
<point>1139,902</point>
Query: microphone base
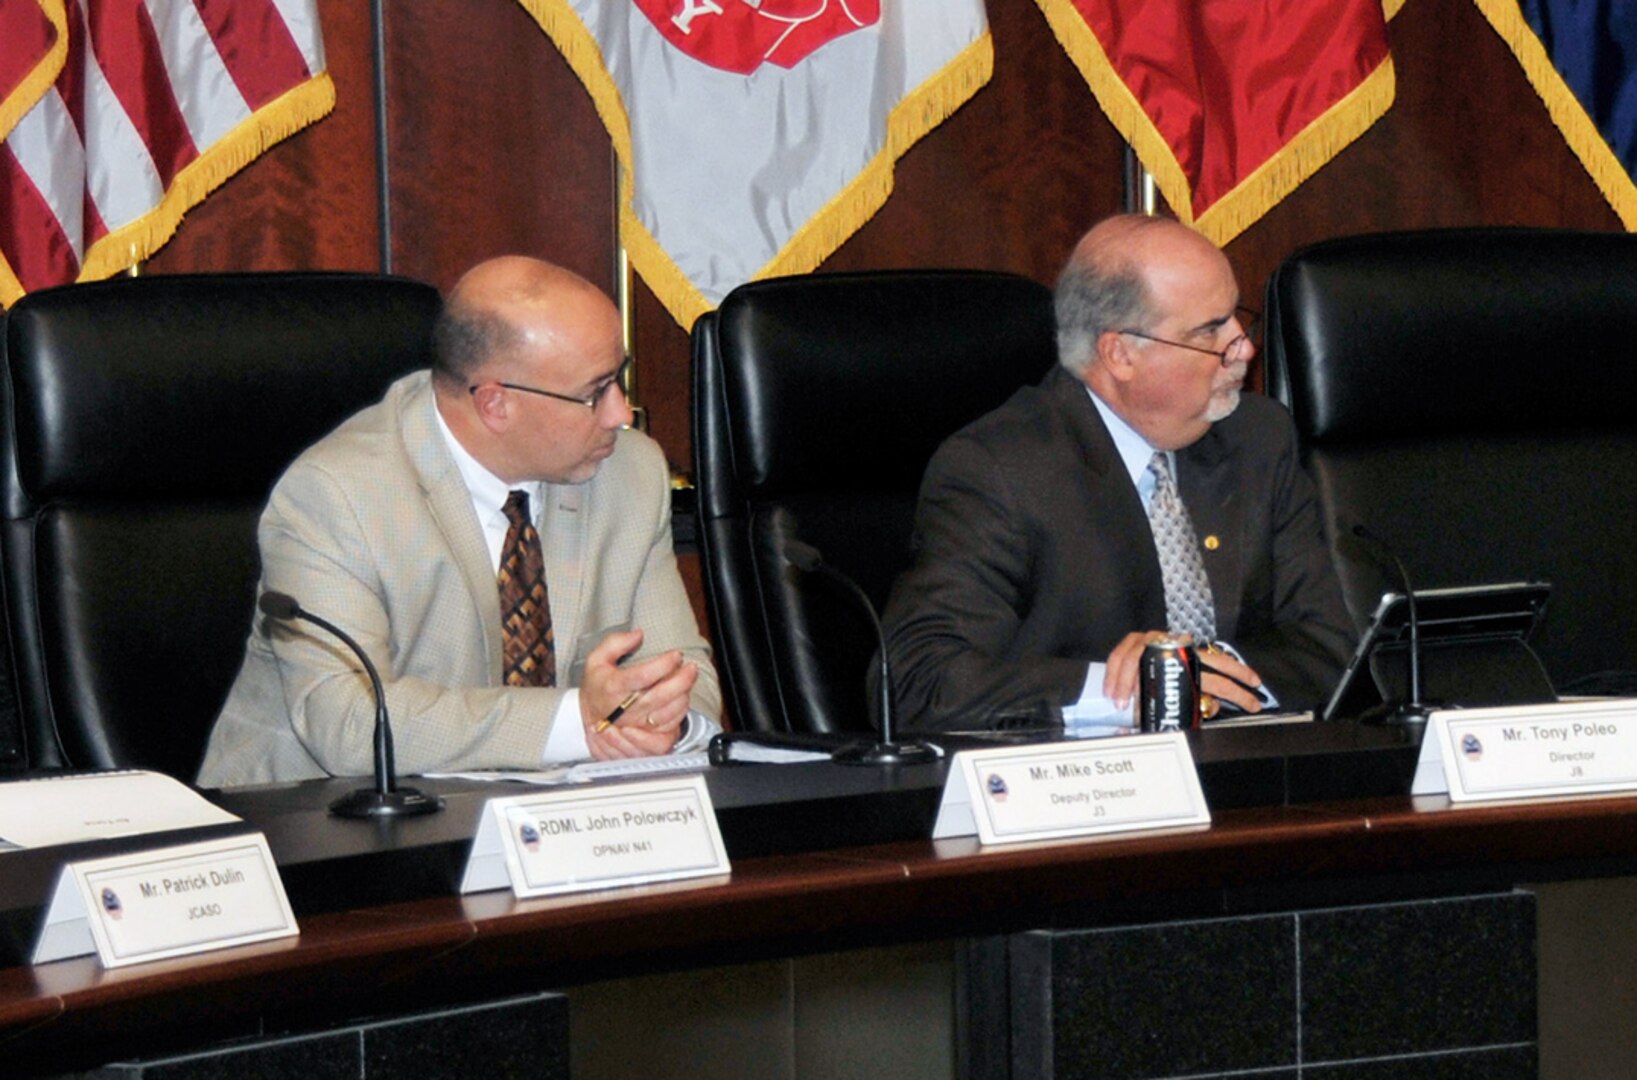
<point>914,752</point>
<point>371,803</point>
<point>1405,716</point>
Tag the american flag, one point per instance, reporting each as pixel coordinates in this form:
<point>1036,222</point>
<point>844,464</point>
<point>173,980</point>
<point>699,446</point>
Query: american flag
<point>117,116</point>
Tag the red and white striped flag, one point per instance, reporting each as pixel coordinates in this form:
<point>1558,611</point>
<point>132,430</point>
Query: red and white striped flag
<point>119,115</point>
<point>757,135</point>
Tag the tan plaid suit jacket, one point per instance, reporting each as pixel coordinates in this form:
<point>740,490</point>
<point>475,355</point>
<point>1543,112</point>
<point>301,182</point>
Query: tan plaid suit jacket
<point>373,529</point>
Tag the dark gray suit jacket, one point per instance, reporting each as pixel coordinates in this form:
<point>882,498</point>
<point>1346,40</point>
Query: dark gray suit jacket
<point>1034,557</point>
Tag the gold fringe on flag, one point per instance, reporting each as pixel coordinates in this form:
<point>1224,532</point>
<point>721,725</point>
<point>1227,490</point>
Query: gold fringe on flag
<point>1328,135</point>
<point>921,110</point>
<point>1325,137</point>
<point>1571,118</point>
<point>33,86</point>
<point>278,119</point>
<point>10,287</point>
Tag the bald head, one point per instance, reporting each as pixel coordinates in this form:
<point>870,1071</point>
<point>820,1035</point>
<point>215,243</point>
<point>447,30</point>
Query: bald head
<point>1146,312</point>
<point>526,373</point>
<point>1104,285</point>
<point>506,307</point>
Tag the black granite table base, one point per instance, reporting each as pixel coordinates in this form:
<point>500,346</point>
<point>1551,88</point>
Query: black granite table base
<point>1435,988</point>
<point>522,1036</point>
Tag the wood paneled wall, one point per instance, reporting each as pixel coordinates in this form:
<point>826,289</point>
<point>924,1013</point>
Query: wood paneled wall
<point>493,146</point>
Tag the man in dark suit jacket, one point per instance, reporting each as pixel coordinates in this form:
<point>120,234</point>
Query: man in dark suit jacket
<point>1037,582</point>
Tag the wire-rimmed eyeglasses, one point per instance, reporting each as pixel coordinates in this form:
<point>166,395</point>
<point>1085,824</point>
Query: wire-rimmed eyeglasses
<point>1229,356</point>
<point>590,401</point>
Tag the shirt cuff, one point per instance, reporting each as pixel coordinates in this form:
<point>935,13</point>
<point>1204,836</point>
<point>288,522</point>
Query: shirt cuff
<point>567,739</point>
<point>1094,715</point>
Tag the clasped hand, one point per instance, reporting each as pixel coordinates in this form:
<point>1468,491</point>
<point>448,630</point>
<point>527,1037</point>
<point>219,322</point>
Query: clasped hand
<point>652,722</point>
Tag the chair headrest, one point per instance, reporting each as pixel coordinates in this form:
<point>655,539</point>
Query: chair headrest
<point>1459,330</point>
<point>852,380</point>
<point>203,384</point>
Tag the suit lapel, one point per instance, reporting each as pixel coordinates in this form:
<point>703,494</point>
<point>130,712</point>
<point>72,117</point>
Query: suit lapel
<point>564,518</point>
<point>450,505</point>
<point>1125,532</point>
<point>1092,442</point>
<point>1205,478</point>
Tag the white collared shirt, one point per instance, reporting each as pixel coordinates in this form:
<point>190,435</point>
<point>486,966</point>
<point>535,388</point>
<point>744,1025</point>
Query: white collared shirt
<point>1134,450</point>
<point>489,494</point>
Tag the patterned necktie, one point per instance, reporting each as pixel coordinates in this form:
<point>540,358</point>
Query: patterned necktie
<point>1188,606</point>
<point>529,653</point>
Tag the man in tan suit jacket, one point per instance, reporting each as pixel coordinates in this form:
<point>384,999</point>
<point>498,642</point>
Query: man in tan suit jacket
<point>390,527</point>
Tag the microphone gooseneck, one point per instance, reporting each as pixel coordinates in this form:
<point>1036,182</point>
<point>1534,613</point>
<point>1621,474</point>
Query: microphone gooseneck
<point>386,798</point>
<point>1413,711</point>
<point>888,750</point>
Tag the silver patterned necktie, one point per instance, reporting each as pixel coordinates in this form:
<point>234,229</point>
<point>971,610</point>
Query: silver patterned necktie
<point>1188,605</point>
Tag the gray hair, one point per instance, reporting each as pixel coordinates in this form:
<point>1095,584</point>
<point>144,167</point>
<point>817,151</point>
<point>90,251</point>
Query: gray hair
<point>1091,300</point>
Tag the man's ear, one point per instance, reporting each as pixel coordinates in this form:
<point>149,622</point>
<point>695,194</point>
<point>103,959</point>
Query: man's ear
<point>493,405</point>
<point>1115,355</point>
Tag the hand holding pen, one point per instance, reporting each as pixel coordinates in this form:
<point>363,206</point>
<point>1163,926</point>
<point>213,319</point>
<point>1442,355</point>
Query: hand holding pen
<point>635,709</point>
<point>619,710</point>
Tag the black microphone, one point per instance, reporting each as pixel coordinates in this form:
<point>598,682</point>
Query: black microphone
<point>1413,711</point>
<point>386,798</point>
<point>887,751</point>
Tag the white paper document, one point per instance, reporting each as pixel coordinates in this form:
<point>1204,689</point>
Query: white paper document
<point>98,806</point>
<point>590,771</point>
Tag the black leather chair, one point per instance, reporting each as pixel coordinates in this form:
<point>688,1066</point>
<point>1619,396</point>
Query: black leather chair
<point>1469,396</point>
<point>817,402</point>
<point>144,423</point>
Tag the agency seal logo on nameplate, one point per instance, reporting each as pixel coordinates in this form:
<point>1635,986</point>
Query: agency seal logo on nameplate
<point>1124,784</point>
<point>596,838</point>
<point>172,901</point>
<point>1527,752</point>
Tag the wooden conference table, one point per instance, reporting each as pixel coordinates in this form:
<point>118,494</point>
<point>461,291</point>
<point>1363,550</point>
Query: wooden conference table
<point>382,932</point>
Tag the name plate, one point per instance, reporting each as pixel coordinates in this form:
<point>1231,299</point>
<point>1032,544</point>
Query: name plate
<point>1123,784</point>
<point>1568,748</point>
<point>166,902</point>
<point>578,840</point>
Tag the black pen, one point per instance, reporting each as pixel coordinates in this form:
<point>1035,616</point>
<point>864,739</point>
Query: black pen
<point>619,711</point>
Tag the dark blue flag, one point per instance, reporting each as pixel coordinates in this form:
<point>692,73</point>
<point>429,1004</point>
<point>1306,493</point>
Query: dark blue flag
<point>1581,57</point>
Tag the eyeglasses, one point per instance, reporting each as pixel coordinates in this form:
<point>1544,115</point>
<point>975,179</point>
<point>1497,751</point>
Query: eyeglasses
<point>1228,356</point>
<point>591,401</point>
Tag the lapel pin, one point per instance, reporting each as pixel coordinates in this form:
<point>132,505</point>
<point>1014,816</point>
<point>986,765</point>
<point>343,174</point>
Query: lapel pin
<point>1212,543</point>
